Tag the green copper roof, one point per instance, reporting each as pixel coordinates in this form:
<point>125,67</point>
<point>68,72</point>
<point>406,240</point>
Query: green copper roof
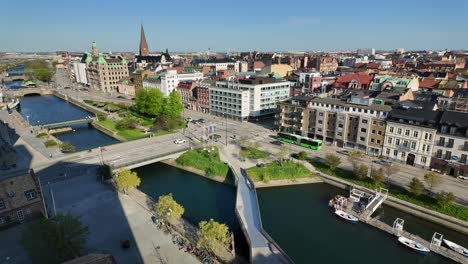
<point>101,59</point>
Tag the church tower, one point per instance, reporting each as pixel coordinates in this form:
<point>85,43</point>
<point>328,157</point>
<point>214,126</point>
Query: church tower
<point>144,51</point>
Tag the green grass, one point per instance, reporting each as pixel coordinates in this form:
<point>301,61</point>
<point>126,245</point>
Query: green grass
<point>423,200</point>
<point>273,171</point>
<point>128,134</point>
<point>42,135</point>
<point>253,153</point>
<point>205,161</point>
<point>50,143</point>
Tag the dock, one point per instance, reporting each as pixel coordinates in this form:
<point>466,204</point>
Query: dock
<point>354,206</point>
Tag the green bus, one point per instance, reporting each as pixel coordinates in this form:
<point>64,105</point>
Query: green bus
<point>300,141</point>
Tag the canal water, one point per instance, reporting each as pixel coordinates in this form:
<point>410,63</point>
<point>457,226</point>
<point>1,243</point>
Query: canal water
<point>201,198</point>
<point>40,110</point>
<point>300,221</point>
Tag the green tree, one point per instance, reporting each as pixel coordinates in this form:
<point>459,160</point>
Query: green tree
<point>55,240</point>
<point>390,170</point>
<point>213,236</point>
<point>360,171</point>
<point>168,209</point>
<point>126,179</point>
<point>432,179</point>
<point>416,186</point>
<point>127,123</point>
<point>445,198</point>
<point>282,153</point>
<point>67,147</point>
<point>173,107</point>
<point>355,156</point>
<point>332,161</point>
<point>377,175</point>
<point>150,101</point>
<point>302,155</point>
<point>44,74</point>
<point>101,116</point>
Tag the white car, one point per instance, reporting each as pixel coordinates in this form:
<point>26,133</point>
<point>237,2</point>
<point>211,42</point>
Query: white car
<point>463,177</point>
<point>180,141</point>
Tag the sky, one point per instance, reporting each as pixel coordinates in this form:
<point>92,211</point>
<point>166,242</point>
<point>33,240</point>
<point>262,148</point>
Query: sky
<point>299,25</point>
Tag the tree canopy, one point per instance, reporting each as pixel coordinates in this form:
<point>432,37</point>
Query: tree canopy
<point>445,198</point>
<point>44,74</point>
<point>377,175</point>
<point>432,179</point>
<point>168,209</point>
<point>360,171</point>
<point>416,186</point>
<point>55,240</point>
<point>150,101</point>
<point>213,236</point>
<point>126,179</point>
<point>332,161</point>
<point>173,107</point>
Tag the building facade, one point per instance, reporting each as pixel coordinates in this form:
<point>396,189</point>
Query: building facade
<point>20,198</point>
<point>325,64</point>
<point>79,71</point>
<point>229,101</point>
<point>168,81</point>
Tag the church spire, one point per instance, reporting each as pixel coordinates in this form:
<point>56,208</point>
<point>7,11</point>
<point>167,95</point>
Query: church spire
<point>143,45</point>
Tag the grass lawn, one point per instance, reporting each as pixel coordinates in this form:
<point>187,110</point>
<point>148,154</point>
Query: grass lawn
<point>423,200</point>
<point>272,171</point>
<point>129,134</point>
<point>253,153</point>
<point>205,161</point>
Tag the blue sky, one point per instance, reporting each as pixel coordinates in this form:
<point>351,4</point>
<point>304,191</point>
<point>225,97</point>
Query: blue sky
<point>49,25</point>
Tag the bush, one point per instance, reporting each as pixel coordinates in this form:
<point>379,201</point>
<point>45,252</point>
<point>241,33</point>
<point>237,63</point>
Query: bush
<point>360,171</point>
<point>445,198</point>
<point>302,155</point>
<point>377,176</point>
<point>332,161</point>
<point>126,123</point>
<point>50,143</point>
<point>42,135</point>
<point>208,162</point>
<point>416,186</point>
<point>265,177</point>
<point>67,147</point>
<point>101,117</point>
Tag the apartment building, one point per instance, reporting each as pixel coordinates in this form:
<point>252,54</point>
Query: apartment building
<point>168,81</point>
<point>79,71</point>
<point>450,152</point>
<point>230,101</point>
<point>20,198</point>
<point>410,136</point>
<point>264,93</point>
<point>355,122</point>
<point>324,64</point>
<point>218,64</point>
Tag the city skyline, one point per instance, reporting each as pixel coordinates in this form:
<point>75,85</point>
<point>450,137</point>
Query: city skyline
<point>52,25</point>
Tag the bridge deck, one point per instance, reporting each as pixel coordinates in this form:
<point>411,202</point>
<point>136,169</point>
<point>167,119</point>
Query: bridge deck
<point>68,123</point>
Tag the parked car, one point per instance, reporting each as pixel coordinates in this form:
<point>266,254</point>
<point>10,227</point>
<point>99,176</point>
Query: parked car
<point>188,119</point>
<point>344,152</point>
<point>121,97</point>
<point>384,162</point>
<point>180,141</point>
<point>215,136</point>
<point>463,177</point>
<point>201,120</point>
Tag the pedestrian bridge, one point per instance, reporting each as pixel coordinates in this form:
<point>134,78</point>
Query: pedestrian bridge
<point>263,249</point>
<point>67,123</point>
<point>29,91</point>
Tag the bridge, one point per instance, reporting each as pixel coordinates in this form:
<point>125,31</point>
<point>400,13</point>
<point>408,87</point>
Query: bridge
<point>67,123</point>
<point>263,249</point>
<point>28,91</point>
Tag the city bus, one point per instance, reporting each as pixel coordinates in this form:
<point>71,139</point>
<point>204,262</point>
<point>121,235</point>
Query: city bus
<point>300,140</point>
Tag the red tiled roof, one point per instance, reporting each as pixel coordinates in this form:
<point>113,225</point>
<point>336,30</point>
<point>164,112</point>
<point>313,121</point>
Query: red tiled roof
<point>363,78</point>
<point>359,65</point>
<point>374,66</point>
<point>258,64</point>
<point>429,83</point>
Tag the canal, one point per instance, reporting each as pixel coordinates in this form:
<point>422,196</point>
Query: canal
<point>300,221</point>
<point>40,110</point>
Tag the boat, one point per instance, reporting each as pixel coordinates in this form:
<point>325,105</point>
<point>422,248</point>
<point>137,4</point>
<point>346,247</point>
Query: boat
<point>455,247</point>
<point>346,216</point>
<point>413,245</point>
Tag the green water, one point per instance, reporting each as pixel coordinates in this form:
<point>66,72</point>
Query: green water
<point>299,219</point>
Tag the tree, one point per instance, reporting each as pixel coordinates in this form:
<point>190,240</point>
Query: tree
<point>67,147</point>
<point>432,179</point>
<point>416,186</point>
<point>445,198</point>
<point>126,179</point>
<point>302,155</point>
<point>353,157</point>
<point>150,101</point>
<point>390,170</point>
<point>44,74</point>
<point>173,106</point>
<point>360,171</point>
<point>213,236</point>
<point>168,209</point>
<point>282,153</point>
<point>55,240</point>
<point>332,161</point>
<point>127,123</point>
<point>377,175</point>
<point>101,117</point>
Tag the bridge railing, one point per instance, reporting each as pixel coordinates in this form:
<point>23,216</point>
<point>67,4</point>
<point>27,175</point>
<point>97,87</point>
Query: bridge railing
<point>125,164</point>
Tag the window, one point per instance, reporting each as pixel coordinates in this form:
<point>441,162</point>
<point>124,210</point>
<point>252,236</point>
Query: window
<point>30,195</point>
<point>320,113</point>
<point>320,122</point>
<point>363,130</point>
<point>430,136</point>
<point>379,132</point>
<point>388,152</point>
<point>364,121</point>
<point>373,131</point>
<point>389,140</point>
<point>441,141</point>
<point>391,129</point>
<point>448,155</point>
<point>405,143</point>
<point>2,204</point>
<point>423,160</point>
<point>450,143</point>
<point>403,154</point>
<point>397,142</point>
<point>407,132</point>
<point>2,220</point>
<point>415,133</point>
<point>399,131</point>
<point>463,158</point>
<point>413,145</point>
<point>395,153</point>
<point>439,154</point>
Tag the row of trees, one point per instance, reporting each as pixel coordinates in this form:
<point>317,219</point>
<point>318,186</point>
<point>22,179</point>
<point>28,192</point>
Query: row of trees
<point>212,236</point>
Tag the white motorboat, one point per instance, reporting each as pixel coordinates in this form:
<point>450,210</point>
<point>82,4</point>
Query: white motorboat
<point>346,216</point>
<point>455,247</point>
<point>413,245</point>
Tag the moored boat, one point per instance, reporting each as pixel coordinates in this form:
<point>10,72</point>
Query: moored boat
<point>413,245</point>
<point>346,216</point>
<point>455,247</point>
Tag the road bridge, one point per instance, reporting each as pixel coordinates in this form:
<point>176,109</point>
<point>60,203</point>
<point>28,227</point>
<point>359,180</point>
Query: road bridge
<point>68,123</point>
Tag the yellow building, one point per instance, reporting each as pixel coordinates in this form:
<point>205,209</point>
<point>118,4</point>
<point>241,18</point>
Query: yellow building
<point>280,69</point>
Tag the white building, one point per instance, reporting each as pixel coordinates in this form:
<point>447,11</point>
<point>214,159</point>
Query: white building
<point>264,93</point>
<point>232,102</point>
<point>79,69</point>
<point>169,80</point>
<point>218,64</point>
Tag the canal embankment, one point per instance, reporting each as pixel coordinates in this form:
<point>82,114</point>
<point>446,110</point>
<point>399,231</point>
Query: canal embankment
<point>82,105</point>
<point>225,180</point>
<point>108,132</point>
<point>421,212</point>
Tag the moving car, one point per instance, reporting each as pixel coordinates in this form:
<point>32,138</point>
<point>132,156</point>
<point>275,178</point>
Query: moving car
<point>180,141</point>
